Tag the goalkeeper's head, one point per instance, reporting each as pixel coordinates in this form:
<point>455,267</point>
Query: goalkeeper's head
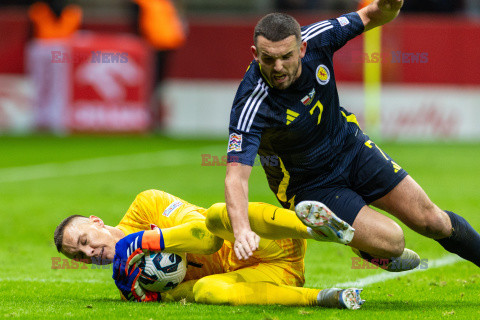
<point>87,239</point>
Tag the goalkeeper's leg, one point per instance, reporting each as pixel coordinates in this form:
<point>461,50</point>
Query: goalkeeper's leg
<point>272,222</point>
<point>258,286</point>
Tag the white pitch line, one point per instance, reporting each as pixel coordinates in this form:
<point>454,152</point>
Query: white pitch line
<point>385,275</point>
<point>52,280</point>
<point>167,158</point>
<point>360,283</point>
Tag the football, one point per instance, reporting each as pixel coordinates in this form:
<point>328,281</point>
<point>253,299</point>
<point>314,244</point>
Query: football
<point>162,271</point>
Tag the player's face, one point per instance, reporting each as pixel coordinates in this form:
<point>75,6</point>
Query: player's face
<point>89,240</point>
<point>281,60</point>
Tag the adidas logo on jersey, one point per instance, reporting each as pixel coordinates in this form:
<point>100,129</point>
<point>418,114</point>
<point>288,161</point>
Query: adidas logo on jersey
<point>396,167</point>
<point>291,115</point>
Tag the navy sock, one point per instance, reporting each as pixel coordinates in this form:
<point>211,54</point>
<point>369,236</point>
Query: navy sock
<point>464,240</point>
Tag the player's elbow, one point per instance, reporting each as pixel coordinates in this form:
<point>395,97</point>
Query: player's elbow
<point>237,173</point>
<point>209,242</point>
<point>213,244</point>
<point>210,245</point>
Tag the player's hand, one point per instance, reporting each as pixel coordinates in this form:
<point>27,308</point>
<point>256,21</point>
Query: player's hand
<point>125,271</point>
<point>127,283</point>
<point>245,244</point>
<point>132,291</point>
<point>126,275</point>
<point>389,5</point>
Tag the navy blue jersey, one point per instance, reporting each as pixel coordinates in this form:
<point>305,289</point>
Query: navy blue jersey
<point>302,135</point>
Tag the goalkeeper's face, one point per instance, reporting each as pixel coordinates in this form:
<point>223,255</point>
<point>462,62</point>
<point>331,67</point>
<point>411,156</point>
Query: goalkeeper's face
<point>89,240</point>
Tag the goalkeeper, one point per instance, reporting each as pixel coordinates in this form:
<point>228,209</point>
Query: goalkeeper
<point>158,221</point>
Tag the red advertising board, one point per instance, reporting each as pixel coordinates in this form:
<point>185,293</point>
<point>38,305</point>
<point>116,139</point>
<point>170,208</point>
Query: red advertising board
<point>92,83</point>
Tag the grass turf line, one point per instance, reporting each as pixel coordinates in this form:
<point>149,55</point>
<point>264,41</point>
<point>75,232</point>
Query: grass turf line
<point>32,209</point>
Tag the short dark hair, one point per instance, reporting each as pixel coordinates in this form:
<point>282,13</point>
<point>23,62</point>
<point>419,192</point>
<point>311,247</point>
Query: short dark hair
<point>58,234</point>
<point>277,26</point>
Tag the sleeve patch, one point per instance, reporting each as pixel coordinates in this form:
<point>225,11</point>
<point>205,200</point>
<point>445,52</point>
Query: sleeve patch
<point>343,21</point>
<point>235,142</point>
<point>174,205</point>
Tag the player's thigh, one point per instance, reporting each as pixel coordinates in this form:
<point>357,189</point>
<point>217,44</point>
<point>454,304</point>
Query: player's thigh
<point>377,234</point>
<point>281,261</point>
<point>217,288</point>
<point>218,222</point>
<point>373,173</point>
<point>274,272</point>
<point>409,203</point>
<point>383,183</point>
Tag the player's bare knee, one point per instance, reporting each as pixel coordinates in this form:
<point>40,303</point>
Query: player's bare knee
<point>436,225</point>
<point>397,241</point>
<point>399,247</point>
<point>431,222</point>
<point>391,243</point>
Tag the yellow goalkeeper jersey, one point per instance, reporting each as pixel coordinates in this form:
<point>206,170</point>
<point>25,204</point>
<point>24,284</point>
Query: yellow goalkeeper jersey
<point>184,231</point>
<point>183,228</point>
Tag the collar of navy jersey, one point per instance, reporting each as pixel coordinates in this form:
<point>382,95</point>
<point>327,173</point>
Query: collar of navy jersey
<point>300,88</point>
<point>264,77</point>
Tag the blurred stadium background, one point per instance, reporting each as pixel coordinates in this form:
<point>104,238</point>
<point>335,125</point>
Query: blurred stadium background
<point>429,66</point>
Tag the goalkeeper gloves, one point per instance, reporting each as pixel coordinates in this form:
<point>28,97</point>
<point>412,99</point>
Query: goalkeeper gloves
<point>129,251</point>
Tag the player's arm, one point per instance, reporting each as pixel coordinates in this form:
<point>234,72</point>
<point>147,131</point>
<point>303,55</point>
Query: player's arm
<point>181,229</point>
<point>236,198</point>
<point>130,249</point>
<point>379,12</point>
<point>191,237</point>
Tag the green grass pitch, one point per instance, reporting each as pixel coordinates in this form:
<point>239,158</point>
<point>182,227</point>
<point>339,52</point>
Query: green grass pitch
<point>43,179</point>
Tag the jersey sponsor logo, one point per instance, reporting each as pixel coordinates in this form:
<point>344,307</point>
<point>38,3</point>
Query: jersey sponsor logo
<point>174,205</point>
<point>323,74</point>
<point>234,142</point>
<point>308,98</point>
<point>291,115</point>
<point>343,21</point>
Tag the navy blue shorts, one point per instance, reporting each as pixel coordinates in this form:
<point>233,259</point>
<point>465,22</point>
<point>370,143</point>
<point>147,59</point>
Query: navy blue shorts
<point>371,175</point>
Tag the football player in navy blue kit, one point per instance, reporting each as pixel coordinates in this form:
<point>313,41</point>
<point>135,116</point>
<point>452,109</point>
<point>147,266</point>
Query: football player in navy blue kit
<point>287,111</point>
